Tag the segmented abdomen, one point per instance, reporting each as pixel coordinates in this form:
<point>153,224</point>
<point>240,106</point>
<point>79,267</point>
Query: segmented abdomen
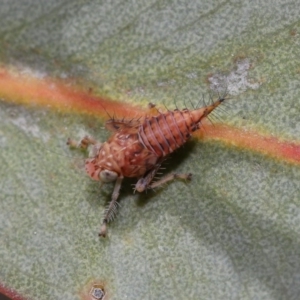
<point>167,132</point>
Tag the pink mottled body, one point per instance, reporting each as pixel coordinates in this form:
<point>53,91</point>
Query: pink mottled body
<point>123,154</point>
<point>138,147</point>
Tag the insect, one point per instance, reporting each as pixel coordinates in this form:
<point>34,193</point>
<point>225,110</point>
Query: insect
<point>137,149</point>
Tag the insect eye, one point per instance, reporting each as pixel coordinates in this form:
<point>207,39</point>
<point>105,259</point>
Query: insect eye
<point>108,176</point>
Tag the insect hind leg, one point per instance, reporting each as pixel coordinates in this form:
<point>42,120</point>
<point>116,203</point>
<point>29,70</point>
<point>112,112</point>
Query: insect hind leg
<point>170,177</point>
<point>145,183</point>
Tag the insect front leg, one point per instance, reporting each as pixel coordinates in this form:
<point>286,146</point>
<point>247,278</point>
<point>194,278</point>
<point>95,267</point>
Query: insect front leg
<point>84,143</point>
<point>112,207</point>
<point>145,182</point>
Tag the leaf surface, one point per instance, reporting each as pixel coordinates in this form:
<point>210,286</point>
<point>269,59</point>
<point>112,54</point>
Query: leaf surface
<point>231,233</point>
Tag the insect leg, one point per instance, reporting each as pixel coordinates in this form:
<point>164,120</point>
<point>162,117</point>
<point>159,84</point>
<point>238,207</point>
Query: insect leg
<point>84,143</point>
<point>111,209</point>
<point>145,182</point>
<point>170,177</point>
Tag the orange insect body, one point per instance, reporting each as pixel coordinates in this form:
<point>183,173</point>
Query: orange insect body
<point>138,147</point>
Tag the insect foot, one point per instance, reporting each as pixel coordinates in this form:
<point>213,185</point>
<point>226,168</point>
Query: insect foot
<point>83,143</point>
<point>103,229</point>
<point>137,148</point>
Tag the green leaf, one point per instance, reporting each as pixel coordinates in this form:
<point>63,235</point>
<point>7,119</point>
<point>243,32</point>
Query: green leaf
<point>231,233</point>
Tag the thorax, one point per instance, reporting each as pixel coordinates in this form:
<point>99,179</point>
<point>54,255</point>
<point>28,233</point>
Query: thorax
<point>125,154</point>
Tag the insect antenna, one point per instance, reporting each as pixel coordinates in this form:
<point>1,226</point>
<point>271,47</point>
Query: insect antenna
<point>112,118</point>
